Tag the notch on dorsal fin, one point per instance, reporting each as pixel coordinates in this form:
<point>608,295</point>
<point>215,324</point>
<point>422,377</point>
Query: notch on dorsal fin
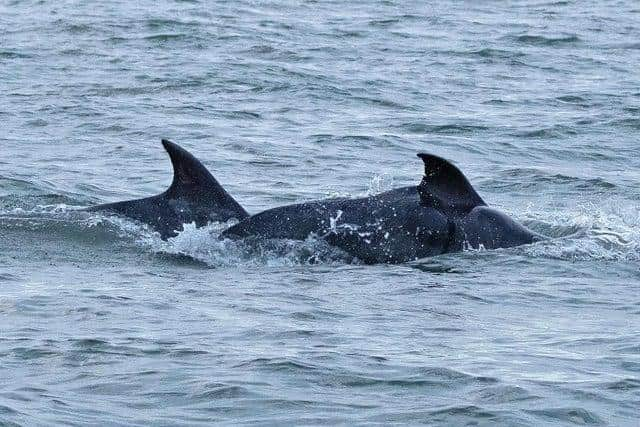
<point>445,187</point>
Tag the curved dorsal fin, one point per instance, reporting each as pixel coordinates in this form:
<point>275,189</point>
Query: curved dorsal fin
<point>445,187</point>
<point>194,196</point>
<point>192,181</point>
<point>189,174</point>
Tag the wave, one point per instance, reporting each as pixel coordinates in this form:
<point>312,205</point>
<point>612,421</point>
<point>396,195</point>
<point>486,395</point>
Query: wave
<point>443,129</point>
<point>553,132</point>
<point>536,40</point>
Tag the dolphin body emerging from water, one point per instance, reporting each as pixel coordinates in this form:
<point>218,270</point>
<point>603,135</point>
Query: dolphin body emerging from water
<point>442,214</point>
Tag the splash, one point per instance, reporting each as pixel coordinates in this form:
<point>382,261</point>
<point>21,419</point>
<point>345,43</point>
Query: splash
<point>66,222</point>
<point>609,231</point>
<point>205,244</point>
<point>380,184</point>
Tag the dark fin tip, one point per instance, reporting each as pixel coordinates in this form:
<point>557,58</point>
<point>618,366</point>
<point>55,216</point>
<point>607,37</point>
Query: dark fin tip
<point>426,157</point>
<point>169,145</point>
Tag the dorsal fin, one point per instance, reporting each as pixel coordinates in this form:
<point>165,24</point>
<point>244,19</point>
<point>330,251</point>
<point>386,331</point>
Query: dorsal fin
<point>189,174</point>
<point>192,181</point>
<point>194,196</point>
<point>444,186</point>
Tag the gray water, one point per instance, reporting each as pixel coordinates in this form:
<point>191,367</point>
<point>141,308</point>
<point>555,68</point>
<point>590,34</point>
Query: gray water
<point>101,322</point>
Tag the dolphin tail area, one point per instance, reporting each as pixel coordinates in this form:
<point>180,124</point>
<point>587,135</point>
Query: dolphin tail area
<point>193,196</point>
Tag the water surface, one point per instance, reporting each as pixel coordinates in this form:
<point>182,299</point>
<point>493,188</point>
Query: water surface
<point>102,322</point>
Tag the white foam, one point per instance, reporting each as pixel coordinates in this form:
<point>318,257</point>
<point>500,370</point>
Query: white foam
<point>380,183</point>
<point>204,244</point>
<point>606,231</point>
<point>587,231</point>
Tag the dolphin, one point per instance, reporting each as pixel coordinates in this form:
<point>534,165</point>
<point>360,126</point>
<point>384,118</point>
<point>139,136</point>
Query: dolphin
<point>442,214</point>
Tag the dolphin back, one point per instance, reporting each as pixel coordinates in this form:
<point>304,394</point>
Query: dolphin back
<point>194,196</point>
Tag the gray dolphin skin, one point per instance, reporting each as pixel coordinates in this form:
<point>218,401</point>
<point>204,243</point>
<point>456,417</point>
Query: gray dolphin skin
<point>442,214</point>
